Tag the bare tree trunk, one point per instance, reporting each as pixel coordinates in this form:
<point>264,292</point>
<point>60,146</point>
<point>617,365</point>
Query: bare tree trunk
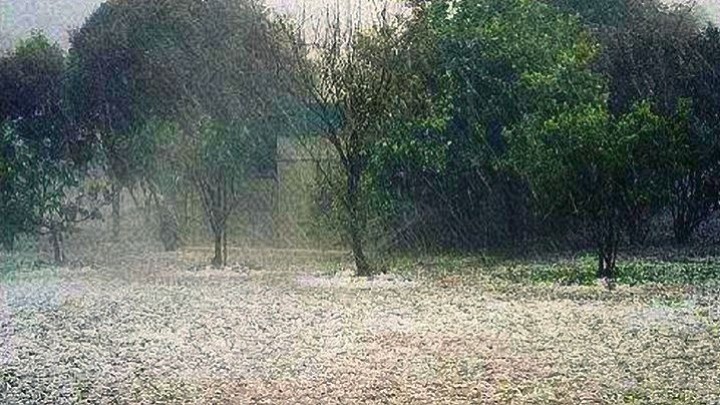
<point>56,238</point>
<point>225,252</point>
<point>607,258</point>
<point>216,206</point>
<point>217,260</point>
<point>362,266</point>
<point>224,207</point>
<point>136,202</point>
<point>608,243</point>
<point>186,209</point>
<point>167,221</point>
<point>356,221</point>
<point>116,211</point>
<point>168,228</point>
<point>682,228</point>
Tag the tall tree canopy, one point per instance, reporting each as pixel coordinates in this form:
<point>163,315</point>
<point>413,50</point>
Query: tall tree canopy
<point>192,64</point>
<point>135,60</point>
<point>33,131</point>
<point>31,91</point>
<point>41,149</point>
<point>492,64</point>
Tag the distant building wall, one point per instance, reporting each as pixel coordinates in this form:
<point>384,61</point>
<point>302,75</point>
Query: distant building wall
<point>296,215</point>
<point>279,210</point>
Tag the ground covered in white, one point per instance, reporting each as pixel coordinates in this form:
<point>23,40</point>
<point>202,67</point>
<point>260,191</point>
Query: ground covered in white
<point>297,328</point>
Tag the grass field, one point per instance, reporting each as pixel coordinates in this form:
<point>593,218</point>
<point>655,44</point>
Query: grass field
<point>126,325</point>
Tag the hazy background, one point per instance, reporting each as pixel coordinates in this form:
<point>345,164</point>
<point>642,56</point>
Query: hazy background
<point>56,17</point>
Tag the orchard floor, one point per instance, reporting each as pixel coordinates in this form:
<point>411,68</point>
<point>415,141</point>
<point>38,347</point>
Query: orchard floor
<point>293,327</point>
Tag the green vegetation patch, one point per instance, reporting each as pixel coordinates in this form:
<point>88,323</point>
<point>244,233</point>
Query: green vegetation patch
<point>579,270</point>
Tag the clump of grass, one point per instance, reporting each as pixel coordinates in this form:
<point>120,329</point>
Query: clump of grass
<point>20,261</point>
<point>631,272</point>
<point>681,272</point>
<point>11,264</point>
<point>580,270</point>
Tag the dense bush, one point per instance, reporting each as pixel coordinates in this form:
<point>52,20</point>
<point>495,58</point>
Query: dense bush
<point>561,129</point>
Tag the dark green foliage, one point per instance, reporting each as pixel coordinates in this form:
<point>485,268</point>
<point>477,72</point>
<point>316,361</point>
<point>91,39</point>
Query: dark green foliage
<point>696,192</point>
<point>32,84</point>
<point>601,137</point>
<point>16,205</point>
<point>541,128</point>
<point>200,70</point>
<point>39,148</point>
<point>564,270</point>
<point>597,13</point>
<point>657,53</point>
<point>490,64</point>
<point>31,79</point>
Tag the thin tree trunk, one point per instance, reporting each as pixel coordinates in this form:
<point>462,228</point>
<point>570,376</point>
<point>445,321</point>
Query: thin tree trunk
<point>681,221</point>
<point>607,252</point>
<point>168,228</point>
<point>224,207</point>
<point>356,225</point>
<point>56,239</point>
<point>225,252</point>
<point>219,228</point>
<point>186,209</point>
<point>167,222</point>
<point>607,257</point>
<point>217,260</point>
<point>362,266</point>
<point>116,211</point>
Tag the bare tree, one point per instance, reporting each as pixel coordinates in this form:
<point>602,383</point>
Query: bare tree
<point>348,75</point>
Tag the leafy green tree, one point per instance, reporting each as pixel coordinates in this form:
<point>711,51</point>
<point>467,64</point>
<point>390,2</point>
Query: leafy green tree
<point>31,85</point>
<point>38,141</point>
<point>362,89</point>
<point>580,163</point>
<point>696,189</point>
<point>203,67</point>
<point>491,64</point>
<point>529,110</point>
<point>42,195</point>
<point>218,163</point>
<point>506,65</point>
<point>103,93</point>
<point>665,59</point>
<point>15,205</point>
<point>656,52</point>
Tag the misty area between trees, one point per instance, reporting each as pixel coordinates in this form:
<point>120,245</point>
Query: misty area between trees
<point>417,202</point>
